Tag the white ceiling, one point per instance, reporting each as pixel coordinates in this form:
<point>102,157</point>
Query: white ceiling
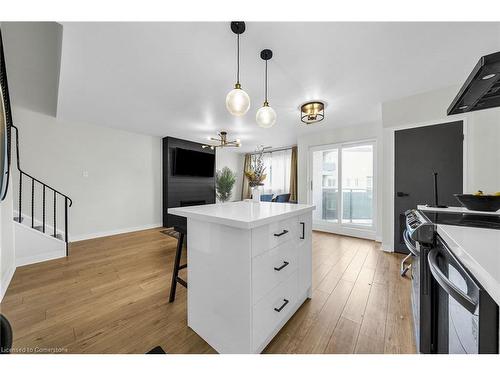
<point>172,78</point>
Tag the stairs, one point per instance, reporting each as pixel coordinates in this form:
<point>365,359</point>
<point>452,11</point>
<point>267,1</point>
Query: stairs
<point>49,231</point>
<point>33,246</point>
<point>41,230</point>
<point>59,236</point>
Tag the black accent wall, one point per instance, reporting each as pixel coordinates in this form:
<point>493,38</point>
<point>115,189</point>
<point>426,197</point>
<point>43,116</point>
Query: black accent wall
<point>183,190</point>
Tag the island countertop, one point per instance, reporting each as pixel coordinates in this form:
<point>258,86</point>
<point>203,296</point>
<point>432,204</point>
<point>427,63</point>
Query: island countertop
<point>242,214</point>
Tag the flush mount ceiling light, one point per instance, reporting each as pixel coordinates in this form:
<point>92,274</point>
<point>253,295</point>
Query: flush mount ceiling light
<point>237,101</point>
<point>312,112</point>
<point>223,142</point>
<point>266,116</point>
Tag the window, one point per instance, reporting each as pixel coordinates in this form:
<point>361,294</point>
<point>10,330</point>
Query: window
<point>278,168</point>
<point>329,161</point>
<point>329,181</point>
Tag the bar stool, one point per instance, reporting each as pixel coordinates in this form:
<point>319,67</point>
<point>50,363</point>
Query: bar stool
<point>177,264</point>
<point>5,335</point>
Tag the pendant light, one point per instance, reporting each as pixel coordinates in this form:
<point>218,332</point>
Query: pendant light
<point>237,101</point>
<point>266,116</point>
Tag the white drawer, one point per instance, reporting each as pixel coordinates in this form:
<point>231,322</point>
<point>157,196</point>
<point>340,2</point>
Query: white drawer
<point>273,309</point>
<point>269,236</point>
<point>272,267</point>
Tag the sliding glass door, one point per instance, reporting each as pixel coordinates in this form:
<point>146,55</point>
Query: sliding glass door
<point>325,184</point>
<point>357,184</point>
<point>341,178</point>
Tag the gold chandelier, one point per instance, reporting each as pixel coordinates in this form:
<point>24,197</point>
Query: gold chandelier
<point>223,142</point>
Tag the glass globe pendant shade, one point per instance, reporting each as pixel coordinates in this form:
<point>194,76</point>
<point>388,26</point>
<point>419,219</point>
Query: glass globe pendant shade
<point>237,101</point>
<point>266,116</point>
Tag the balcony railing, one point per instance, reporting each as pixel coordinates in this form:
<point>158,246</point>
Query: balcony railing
<point>357,205</point>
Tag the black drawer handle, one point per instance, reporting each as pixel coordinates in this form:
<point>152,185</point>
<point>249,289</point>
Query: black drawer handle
<point>285,263</point>
<point>282,306</point>
<point>280,234</point>
<point>303,230</point>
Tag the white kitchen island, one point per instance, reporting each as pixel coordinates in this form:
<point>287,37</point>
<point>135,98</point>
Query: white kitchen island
<point>249,270</point>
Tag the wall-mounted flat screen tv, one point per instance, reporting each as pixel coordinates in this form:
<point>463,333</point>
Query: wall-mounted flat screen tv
<point>193,163</point>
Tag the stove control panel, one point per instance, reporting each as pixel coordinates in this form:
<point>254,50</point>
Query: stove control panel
<point>419,228</point>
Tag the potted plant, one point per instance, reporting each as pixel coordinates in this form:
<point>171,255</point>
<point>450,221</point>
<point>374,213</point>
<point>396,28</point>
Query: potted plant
<point>255,174</point>
<point>224,182</point>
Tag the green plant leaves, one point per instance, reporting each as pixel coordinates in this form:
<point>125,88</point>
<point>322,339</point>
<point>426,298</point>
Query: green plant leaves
<point>224,182</point>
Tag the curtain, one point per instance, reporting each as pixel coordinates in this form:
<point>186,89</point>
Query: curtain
<point>245,191</point>
<point>293,175</point>
<point>278,170</point>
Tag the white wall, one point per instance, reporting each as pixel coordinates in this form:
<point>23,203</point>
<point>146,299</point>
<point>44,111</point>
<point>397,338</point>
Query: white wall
<point>7,253</point>
<point>418,108</point>
<point>482,144</point>
<point>122,190</point>
<point>231,158</point>
<point>33,247</point>
<point>338,135</point>
<point>33,59</point>
<point>483,132</point>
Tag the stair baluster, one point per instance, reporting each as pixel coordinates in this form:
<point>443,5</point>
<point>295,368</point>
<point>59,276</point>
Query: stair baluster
<point>66,223</point>
<point>19,218</point>
<point>32,203</point>
<point>55,233</point>
<point>43,209</point>
<point>67,201</point>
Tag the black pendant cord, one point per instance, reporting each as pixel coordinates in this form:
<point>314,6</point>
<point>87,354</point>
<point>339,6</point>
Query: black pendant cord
<point>238,59</point>
<point>265,100</point>
<point>266,54</point>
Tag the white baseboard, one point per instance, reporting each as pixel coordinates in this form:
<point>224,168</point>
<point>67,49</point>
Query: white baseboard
<point>89,236</point>
<point>345,231</point>
<point>40,258</point>
<point>6,279</point>
<point>387,247</point>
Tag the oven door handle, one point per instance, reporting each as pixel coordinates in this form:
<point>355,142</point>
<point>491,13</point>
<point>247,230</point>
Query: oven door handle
<point>458,295</point>
<point>409,245</point>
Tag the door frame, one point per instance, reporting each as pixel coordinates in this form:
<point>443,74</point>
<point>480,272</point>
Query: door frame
<point>389,173</point>
<point>368,232</point>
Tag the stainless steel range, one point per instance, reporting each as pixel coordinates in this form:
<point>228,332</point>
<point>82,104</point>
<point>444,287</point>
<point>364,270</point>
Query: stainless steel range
<point>419,237</point>
<point>452,312</point>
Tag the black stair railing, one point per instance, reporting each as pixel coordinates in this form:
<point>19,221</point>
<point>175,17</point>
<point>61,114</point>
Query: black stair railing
<point>67,200</point>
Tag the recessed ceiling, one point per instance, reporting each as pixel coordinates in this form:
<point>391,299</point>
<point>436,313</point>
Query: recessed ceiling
<point>172,78</point>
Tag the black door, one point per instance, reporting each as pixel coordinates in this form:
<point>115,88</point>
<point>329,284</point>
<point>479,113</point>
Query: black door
<point>419,153</point>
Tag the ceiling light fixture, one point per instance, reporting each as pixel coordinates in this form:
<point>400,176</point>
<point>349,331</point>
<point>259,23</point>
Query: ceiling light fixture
<point>488,76</point>
<point>266,116</point>
<point>237,101</point>
<point>223,142</point>
<point>312,112</point>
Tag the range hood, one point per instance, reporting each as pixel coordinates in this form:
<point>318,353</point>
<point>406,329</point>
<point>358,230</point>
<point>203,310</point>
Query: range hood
<point>481,90</point>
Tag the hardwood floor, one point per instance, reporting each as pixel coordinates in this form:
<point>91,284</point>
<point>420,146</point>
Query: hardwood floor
<point>111,296</point>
